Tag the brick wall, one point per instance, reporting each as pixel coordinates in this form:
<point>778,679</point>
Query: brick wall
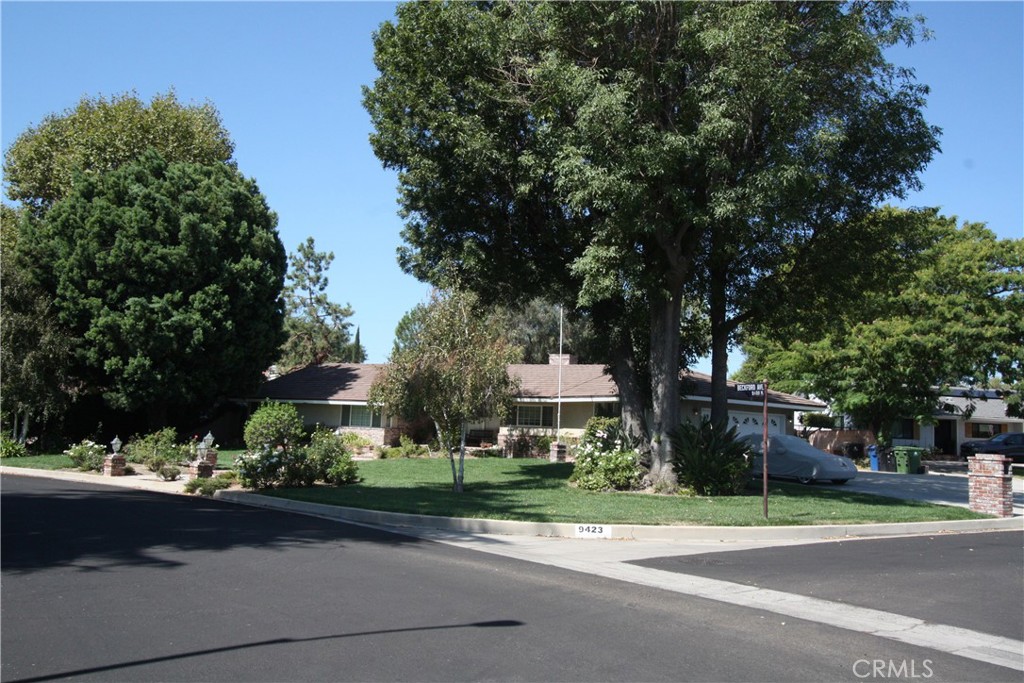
<point>990,484</point>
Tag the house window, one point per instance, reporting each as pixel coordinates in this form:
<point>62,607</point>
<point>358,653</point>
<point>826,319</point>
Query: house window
<point>981,430</point>
<point>534,416</point>
<point>903,429</point>
<point>359,416</point>
<point>609,409</point>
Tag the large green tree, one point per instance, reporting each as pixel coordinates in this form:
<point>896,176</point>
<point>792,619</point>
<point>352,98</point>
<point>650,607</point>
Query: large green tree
<point>168,278</point>
<point>34,348</point>
<point>591,151</point>
<point>952,314</point>
<point>455,371</point>
<point>100,134</point>
<point>317,327</point>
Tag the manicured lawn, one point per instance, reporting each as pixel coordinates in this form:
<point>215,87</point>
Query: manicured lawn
<point>535,490</point>
<point>51,461</point>
<point>59,461</point>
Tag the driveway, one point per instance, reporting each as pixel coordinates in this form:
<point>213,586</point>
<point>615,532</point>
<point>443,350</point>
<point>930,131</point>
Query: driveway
<point>945,489</point>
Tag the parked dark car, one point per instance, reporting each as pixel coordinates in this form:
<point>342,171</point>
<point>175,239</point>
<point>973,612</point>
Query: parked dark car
<point>1010,444</point>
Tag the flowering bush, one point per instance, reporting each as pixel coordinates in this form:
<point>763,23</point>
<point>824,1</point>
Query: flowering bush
<point>603,462</point>
<point>87,455</point>
<point>325,459</point>
<point>259,470</point>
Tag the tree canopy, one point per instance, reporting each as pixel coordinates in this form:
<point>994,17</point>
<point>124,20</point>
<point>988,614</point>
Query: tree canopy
<point>100,134</point>
<point>455,371</point>
<point>952,314</point>
<point>316,327</point>
<point>167,276</point>
<point>603,154</point>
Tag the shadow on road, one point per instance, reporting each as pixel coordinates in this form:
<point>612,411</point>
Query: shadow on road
<point>112,527</point>
<point>504,623</point>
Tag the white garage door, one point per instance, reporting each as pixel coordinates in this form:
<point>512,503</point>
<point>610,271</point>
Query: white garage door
<point>752,423</point>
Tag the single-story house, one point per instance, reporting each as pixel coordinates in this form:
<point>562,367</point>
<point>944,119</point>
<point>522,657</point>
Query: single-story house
<point>963,414</point>
<point>554,400</point>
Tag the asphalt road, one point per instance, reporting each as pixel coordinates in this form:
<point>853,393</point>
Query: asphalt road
<point>973,581</point>
<point>105,584</point>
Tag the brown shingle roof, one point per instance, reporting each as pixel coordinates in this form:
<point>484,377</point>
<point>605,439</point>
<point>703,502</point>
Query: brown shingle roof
<point>578,381</point>
<point>351,382</point>
<point>327,382</point>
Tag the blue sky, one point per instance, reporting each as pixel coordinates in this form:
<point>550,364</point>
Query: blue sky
<point>286,78</point>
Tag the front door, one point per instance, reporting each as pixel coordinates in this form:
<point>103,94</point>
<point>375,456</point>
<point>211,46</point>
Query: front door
<point>945,437</point>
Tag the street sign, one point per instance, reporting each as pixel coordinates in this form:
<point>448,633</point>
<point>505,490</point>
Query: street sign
<point>759,387</point>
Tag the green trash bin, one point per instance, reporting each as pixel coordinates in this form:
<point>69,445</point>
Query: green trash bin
<point>908,459</point>
<point>902,456</point>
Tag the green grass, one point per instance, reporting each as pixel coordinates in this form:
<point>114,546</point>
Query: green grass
<point>226,458</point>
<point>535,490</point>
<point>59,461</point>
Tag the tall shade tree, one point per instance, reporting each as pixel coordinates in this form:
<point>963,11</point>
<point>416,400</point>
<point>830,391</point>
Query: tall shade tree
<point>317,328</point>
<point>168,278</point>
<point>593,151</point>
<point>954,317</point>
<point>100,134</point>
<point>33,347</point>
<point>455,371</point>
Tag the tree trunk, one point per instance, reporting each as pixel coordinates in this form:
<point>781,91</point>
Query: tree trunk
<point>462,460</point>
<point>720,333</point>
<point>24,429</point>
<point>665,321</point>
<point>634,418</point>
<point>449,448</point>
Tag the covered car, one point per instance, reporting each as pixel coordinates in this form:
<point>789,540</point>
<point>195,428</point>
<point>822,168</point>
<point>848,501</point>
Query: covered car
<point>790,457</point>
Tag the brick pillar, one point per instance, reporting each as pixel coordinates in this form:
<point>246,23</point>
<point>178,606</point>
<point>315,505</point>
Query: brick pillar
<point>211,456</point>
<point>558,451</point>
<point>113,465</point>
<point>990,484</point>
<point>200,469</point>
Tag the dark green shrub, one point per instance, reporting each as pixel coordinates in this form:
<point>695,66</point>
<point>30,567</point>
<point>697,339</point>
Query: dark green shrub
<point>87,455</point>
<point>709,459</point>
<point>273,425</point>
<point>9,448</point>
<point>160,446</point>
<point>406,448</point>
<point>169,473</point>
<point>206,486</point>
<point>343,471</point>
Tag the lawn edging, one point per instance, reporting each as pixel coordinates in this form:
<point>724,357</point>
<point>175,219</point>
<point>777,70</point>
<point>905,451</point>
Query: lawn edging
<point>634,532</point>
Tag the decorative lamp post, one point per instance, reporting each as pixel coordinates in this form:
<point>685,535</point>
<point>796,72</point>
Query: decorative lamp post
<point>113,464</point>
<point>202,468</point>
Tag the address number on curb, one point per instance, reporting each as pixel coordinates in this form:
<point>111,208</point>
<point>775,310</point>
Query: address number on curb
<point>593,531</point>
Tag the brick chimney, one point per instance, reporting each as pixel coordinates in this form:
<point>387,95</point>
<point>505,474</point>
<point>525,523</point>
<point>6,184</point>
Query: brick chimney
<point>561,359</point>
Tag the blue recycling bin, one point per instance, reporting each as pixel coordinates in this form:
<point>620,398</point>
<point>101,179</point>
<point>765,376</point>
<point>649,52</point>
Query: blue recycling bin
<point>873,456</point>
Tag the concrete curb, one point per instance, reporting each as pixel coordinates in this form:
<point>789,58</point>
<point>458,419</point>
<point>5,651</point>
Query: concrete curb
<point>633,532</point>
